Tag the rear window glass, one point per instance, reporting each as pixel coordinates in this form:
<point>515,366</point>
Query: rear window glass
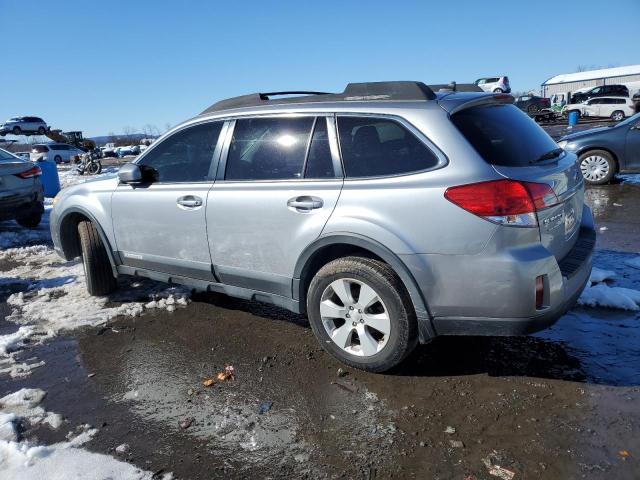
<point>39,149</point>
<point>503,135</point>
<point>6,155</point>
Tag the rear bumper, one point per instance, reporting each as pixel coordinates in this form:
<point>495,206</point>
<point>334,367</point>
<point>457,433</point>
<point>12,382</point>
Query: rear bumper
<point>501,289</point>
<point>20,206</point>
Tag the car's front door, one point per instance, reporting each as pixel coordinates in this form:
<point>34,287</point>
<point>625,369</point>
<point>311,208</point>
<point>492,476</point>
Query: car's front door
<point>632,147</point>
<point>278,184</point>
<point>161,226</point>
<point>591,108</point>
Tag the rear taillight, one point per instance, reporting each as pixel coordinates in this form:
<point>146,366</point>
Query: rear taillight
<point>32,172</point>
<point>507,202</point>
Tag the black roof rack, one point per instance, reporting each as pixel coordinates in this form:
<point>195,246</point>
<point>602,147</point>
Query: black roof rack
<point>370,91</point>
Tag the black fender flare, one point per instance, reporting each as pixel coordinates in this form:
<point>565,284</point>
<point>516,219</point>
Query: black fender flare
<point>425,326</point>
<point>84,212</point>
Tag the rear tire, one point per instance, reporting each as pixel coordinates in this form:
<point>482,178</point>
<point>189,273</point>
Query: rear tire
<point>32,221</point>
<point>498,90</point>
<point>598,167</point>
<point>57,159</point>
<point>391,309</point>
<point>41,131</point>
<point>17,131</point>
<point>617,116</point>
<point>97,268</point>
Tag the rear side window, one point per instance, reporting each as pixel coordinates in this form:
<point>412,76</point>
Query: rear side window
<point>268,148</point>
<point>186,155</point>
<point>503,135</point>
<point>373,147</point>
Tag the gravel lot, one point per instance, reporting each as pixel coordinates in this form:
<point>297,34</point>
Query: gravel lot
<point>559,404</point>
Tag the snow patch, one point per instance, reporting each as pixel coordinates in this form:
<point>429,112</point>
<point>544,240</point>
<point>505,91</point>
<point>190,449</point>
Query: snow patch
<point>633,262</point>
<point>599,294</point>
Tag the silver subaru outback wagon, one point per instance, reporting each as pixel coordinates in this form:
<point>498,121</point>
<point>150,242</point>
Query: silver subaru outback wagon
<point>388,213</point>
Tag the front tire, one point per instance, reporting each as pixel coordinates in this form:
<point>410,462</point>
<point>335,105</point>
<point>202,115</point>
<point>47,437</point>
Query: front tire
<point>598,167</point>
<point>57,159</point>
<point>17,131</point>
<point>41,131</point>
<point>97,268</point>
<point>361,313</point>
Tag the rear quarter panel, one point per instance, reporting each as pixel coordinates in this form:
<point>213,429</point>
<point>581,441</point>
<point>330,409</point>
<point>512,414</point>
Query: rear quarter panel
<point>409,214</point>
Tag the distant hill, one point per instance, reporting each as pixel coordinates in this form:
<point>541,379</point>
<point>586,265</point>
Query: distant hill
<point>134,137</point>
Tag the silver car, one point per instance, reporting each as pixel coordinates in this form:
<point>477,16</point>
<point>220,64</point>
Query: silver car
<point>387,213</point>
<point>21,192</point>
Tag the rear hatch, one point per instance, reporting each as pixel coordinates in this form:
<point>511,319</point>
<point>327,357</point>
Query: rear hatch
<point>518,149</point>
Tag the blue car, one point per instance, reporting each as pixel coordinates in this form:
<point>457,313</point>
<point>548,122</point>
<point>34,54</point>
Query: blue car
<point>603,152</point>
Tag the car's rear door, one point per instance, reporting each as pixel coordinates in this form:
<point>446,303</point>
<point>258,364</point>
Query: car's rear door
<point>161,226</point>
<point>278,183</point>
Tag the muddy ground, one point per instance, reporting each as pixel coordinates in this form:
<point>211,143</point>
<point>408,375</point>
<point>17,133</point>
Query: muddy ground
<point>561,404</point>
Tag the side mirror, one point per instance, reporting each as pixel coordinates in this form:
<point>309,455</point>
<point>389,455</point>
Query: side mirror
<point>130,173</point>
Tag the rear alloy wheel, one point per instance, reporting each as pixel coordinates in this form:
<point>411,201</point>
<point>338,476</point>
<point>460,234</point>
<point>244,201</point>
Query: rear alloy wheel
<point>598,167</point>
<point>57,159</point>
<point>94,168</point>
<point>97,268</point>
<point>41,131</point>
<point>360,312</point>
<point>617,116</point>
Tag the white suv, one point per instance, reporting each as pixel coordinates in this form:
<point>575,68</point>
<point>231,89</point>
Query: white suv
<point>616,108</point>
<point>24,126</point>
<point>494,84</point>
<point>58,152</point>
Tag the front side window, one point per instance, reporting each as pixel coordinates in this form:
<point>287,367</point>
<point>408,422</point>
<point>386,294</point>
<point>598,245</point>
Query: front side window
<point>373,147</point>
<point>268,148</point>
<point>186,155</point>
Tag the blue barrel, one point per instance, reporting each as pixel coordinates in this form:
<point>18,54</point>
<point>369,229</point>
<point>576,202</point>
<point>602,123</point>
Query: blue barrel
<point>50,180</point>
<point>573,118</point>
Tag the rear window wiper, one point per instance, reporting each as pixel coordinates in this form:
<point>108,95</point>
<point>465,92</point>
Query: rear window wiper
<point>556,152</point>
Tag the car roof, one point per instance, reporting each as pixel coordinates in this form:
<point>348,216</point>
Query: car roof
<point>366,93</point>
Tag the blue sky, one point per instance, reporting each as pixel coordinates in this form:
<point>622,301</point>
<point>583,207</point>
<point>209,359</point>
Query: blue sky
<point>101,66</point>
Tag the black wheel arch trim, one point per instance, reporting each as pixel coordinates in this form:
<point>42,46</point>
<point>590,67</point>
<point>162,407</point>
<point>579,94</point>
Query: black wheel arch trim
<point>103,236</point>
<point>425,327</point>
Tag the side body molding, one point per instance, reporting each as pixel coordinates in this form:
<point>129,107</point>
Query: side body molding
<point>425,327</point>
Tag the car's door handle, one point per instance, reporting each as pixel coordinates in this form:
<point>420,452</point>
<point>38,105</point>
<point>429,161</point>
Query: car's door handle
<point>189,201</point>
<point>305,203</point>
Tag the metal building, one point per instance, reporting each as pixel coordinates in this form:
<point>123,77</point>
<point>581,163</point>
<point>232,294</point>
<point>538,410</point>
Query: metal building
<point>571,82</point>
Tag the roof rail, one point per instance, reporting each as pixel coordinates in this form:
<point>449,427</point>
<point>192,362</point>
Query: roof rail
<point>371,91</point>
